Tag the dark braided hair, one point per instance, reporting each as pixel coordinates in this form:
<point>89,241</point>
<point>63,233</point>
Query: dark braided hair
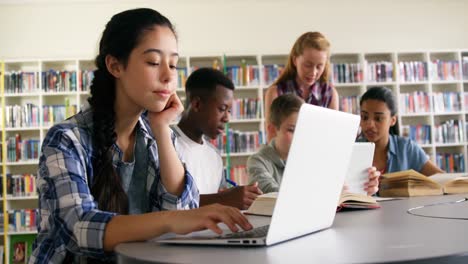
<point>122,34</point>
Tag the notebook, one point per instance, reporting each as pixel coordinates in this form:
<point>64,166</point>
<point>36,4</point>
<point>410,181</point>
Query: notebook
<point>312,181</point>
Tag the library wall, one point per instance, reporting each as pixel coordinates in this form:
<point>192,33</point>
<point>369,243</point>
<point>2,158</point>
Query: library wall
<point>54,29</point>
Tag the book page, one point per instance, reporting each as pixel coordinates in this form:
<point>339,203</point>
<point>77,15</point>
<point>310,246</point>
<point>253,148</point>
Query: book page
<point>443,178</point>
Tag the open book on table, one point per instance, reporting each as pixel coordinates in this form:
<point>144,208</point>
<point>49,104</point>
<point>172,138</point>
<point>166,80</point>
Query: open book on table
<point>412,183</point>
<point>265,203</point>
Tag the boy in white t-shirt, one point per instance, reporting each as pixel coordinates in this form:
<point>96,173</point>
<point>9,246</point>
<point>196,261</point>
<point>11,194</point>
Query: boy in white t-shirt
<point>208,106</point>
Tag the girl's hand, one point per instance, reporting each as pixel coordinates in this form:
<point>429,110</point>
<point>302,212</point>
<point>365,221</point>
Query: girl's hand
<point>173,108</point>
<point>207,217</point>
<point>372,186</point>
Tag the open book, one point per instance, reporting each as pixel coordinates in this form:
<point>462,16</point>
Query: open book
<point>452,182</point>
<point>265,203</point>
<point>357,201</point>
<point>412,183</point>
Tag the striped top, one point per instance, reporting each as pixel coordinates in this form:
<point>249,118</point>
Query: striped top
<point>320,94</point>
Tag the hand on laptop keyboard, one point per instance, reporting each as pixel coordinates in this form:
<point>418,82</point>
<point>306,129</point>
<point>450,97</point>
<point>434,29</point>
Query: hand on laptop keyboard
<point>256,232</point>
<point>207,217</point>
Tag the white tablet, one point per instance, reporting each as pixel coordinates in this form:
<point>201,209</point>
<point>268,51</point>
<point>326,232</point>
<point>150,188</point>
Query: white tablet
<point>361,160</point>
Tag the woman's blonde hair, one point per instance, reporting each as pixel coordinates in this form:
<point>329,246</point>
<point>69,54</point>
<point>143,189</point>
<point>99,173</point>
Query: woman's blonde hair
<point>314,40</point>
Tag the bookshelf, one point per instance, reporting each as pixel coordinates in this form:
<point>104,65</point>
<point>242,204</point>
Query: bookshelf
<point>431,88</point>
<point>36,94</point>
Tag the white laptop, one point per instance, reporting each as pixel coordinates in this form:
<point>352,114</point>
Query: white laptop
<point>312,181</point>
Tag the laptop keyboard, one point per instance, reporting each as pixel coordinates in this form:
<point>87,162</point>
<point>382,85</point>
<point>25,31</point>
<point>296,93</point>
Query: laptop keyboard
<point>252,233</point>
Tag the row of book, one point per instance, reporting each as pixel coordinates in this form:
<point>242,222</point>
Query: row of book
<point>450,131</point>
<point>347,72</point>
<point>416,102</point>
<point>271,72</point>
<point>21,82</point>
<point>444,70</point>
<point>381,71</point>
<point>241,75</point>
<point>51,81</point>
<point>413,71</point>
<point>28,114</point>
<point>451,162</point>
<point>86,78</point>
<point>410,71</point>
<point>58,81</point>
<point>21,220</point>
<point>19,185</point>
<point>465,67</point>
<point>446,101</point>
<point>244,75</point>
<point>238,174</point>
<point>246,108</point>
<point>419,101</point>
<point>235,141</point>
<point>419,133</point>
<point>22,149</point>
<point>350,104</point>
<point>22,115</point>
<point>56,113</point>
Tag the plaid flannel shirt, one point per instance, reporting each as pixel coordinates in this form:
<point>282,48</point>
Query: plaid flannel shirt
<point>69,219</point>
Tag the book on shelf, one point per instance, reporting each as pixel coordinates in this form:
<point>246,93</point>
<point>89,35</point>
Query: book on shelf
<point>85,78</point>
<point>181,77</point>
<point>465,67</point>
<point>1,254</point>
<point>449,131</point>
<point>412,183</point>
<point>243,75</point>
<point>19,185</point>
<point>21,82</point>
<point>413,71</point>
<point>264,204</point>
<point>415,102</point>
<point>441,70</point>
<point>19,252</point>
<point>239,141</point>
<point>245,108</point>
<point>447,101</point>
<point>21,220</point>
<point>451,162</point>
<point>58,81</point>
<point>271,72</point>
<point>21,248</point>
<point>347,73</point>
<point>26,115</point>
<point>381,71</point>
<point>418,133</point>
<point>237,174</point>
<point>22,149</point>
<point>350,104</point>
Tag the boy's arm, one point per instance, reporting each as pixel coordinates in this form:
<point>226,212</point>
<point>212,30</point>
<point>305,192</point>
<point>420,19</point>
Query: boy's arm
<point>240,197</point>
<point>206,199</point>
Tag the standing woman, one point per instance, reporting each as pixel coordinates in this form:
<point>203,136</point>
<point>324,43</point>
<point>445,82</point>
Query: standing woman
<point>110,174</point>
<point>306,74</point>
<point>379,125</point>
